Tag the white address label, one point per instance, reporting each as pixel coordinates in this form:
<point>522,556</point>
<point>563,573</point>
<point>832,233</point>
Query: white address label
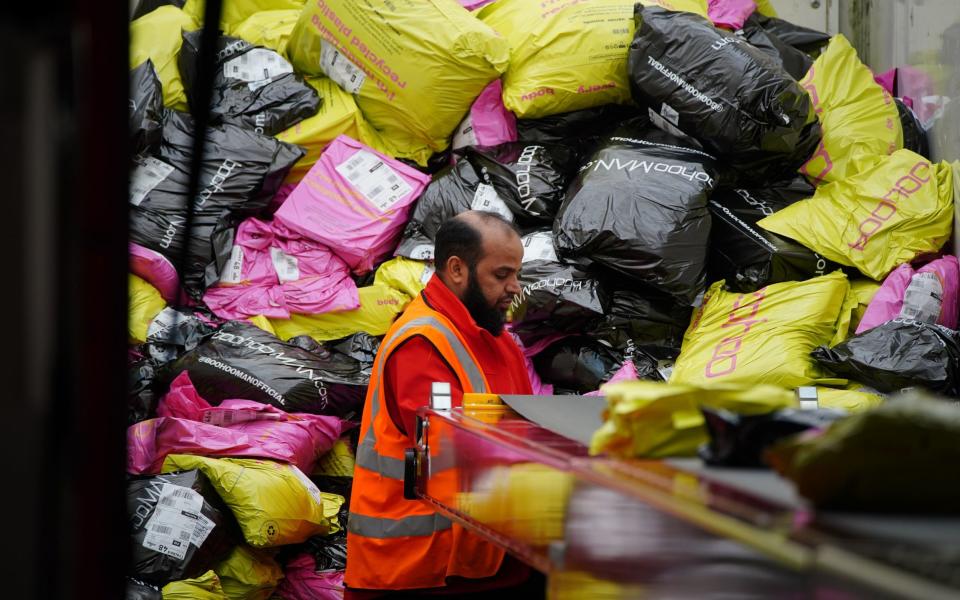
<point>923,298</point>
<point>176,522</point>
<point>486,198</point>
<point>374,179</point>
<point>150,172</point>
<point>539,246</point>
<point>465,135</point>
<point>285,265</point>
<point>340,69</point>
<point>233,271</point>
<point>256,67</point>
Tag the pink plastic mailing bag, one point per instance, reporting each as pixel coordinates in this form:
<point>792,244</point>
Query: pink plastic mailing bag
<point>187,424</point>
<point>302,582</point>
<point>627,372</point>
<point>536,384</point>
<point>275,272</point>
<point>355,200</point>
<point>157,270</point>
<point>730,14</point>
<point>489,122</point>
<point>929,294</point>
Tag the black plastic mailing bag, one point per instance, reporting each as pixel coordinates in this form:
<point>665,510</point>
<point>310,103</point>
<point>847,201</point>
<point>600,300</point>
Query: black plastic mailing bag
<point>716,87</point>
<point>749,257</point>
<point>643,322</point>
<point>899,354</point>
<point>580,364</point>
<point>579,130</point>
<point>138,590</point>
<point>914,134</point>
<point>794,61</point>
<point>175,331</point>
<point>142,394</point>
<point>179,526</point>
<point>146,108</point>
<point>639,207</point>
<point>554,297</point>
<point>241,172</point>
<point>245,362</point>
<point>809,41</point>
<point>252,86</point>
<point>524,182</point>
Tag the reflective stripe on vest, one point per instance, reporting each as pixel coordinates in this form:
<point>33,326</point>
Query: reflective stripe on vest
<point>380,528</point>
<point>388,466</point>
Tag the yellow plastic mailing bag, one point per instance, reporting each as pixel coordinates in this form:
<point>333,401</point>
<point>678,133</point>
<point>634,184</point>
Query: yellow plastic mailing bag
<point>853,398</point>
<point>864,290</point>
<point>235,12</point>
<point>654,420</point>
<point>764,336</point>
<point>338,462</point>
<point>274,503</point>
<point>248,574</point>
<point>379,307</point>
<point>404,275</point>
<point>765,8</point>
<point>204,587</point>
<point>338,115</point>
<point>269,28</point>
<point>145,303</point>
<point>414,67</point>
<point>263,323</point>
<point>568,55</point>
<point>158,36</point>
<point>896,209</point>
<point>857,116</point>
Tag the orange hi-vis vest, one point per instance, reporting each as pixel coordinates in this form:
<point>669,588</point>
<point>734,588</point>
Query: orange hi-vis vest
<point>399,544</point>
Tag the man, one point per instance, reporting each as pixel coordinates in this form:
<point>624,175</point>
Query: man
<point>453,332</point>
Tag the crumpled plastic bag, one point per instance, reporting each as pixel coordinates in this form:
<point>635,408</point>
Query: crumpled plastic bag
<point>156,269</point>
<point>404,275</point>
<point>275,504</point>
<point>145,303</point>
<point>238,428</point>
<point>241,360</point>
<point>898,354</point>
<point>914,133</point>
<point>489,123</point>
<point>204,587</point>
<point>240,172</point>
<point>146,108</point>
<point>567,56</point>
<point>355,200</point>
<point>626,372</point>
<point>654,420</point>
<point>254,87</point>
<point>414,68</point>
<point>747,256</point>
<point>857,116</point>
<point>644,322</point>
<point>740,440</point>
<point>138,590</point>
<point>639,207</point>
<point>179,526</point>
<point>338,115</point>
<point>864,289</point>
<point>303,582</point>
<point>157,36</point>
<point>175,331</point>
<point>523,182</point>
<point>235,12</point>
<point>272,271</point>
<point>267,28</point>
<point>808,41</point>
<point>794,61</point>
<point>891,459</point>
<point>579,364</point>
<point>380,305</point>
<point>248,574</point>
<point>713,86</point>
<point>894,210</point>
<point>554,297</point>
<point>929,294</point>
<point>764,337</point>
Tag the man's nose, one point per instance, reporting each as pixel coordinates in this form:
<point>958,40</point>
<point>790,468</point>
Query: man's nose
<point>513,285</point>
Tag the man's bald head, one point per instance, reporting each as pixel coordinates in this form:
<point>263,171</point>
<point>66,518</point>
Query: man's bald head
<point>464,235</point>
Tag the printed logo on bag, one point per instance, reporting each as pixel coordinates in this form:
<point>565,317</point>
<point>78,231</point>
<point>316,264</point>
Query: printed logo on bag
<point>686,86</point>
<point>904,187</point>
<point>724,42</point>
<point>647,166</point>
<point>523,176</point>
<point>555,283</point>
<point>536,94</point>
<point>724,359</point>
<point>171,231</point>
<point>219,178</point>
<point>590,89</point>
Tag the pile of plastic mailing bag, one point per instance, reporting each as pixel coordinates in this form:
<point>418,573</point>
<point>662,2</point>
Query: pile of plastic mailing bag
<point>716,205</point>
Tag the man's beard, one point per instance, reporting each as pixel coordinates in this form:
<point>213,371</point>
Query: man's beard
<point>488,317</point>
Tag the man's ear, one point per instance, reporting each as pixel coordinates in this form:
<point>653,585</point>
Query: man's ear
<point>457,271</point>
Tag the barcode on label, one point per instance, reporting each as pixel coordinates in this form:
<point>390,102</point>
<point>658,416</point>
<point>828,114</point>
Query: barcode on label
<point>339,68</point>
<point>164,529</point>
<point>149,173</point>
<point>374,179</point>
